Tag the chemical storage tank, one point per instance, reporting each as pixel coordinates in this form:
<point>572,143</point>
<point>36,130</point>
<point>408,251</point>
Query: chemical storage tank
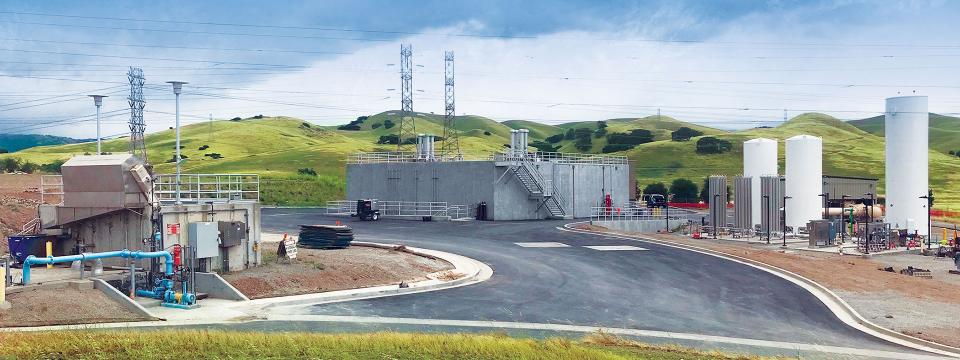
<point>907,133</point>
<point>759,159</point>
<point>804,180</point>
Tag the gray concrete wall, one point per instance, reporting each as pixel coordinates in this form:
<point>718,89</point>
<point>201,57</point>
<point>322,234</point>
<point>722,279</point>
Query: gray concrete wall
<point>582,186</point>
<point>118,230</point>
<point>245,255</point>
<point>217,287</point>
<point>640,226</point>
<point>121,298</point>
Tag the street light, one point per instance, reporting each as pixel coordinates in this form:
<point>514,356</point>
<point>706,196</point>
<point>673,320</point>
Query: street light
<point>715,215</point>
<point>785,198</point>
<point>872,205</point>
<point>767,200</point>
<point>929,198</point>
<point>177,88</point>
<point>843,220</point>
<point>98,101</point>
<point>667,211</point>
<point>826,198</point>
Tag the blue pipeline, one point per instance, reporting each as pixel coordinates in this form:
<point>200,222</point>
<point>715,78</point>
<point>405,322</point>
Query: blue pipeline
<point>127,254</point>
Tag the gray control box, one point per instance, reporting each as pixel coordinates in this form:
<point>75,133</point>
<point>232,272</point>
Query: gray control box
<point>204,236</point>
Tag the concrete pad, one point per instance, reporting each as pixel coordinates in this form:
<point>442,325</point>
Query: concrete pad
<point>80,285</point>
<point>543,244</point>
<point>616,248</point>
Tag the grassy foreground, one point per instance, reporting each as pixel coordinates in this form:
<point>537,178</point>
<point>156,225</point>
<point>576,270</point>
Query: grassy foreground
<point>190,344</point>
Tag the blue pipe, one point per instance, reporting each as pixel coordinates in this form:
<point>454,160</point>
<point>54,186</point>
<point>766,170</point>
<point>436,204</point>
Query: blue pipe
<point>136,255</point>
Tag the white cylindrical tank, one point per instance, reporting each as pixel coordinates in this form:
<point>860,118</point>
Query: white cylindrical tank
<point>906,126</point>
<point>804,180</point>
<point>759,159</point>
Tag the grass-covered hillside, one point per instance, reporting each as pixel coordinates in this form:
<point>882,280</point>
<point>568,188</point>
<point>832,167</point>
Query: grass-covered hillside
<point>278,148</point>
<point>15,142</point>
<point>944,130</point>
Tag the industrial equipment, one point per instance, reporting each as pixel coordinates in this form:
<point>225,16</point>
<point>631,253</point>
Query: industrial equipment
<point>822,233</point>
<point>804,180</point>
<point>759,159</point>
<point>366,211</point>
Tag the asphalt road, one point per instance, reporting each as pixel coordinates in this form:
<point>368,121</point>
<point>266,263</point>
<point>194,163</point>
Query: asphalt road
<point>662,288</point>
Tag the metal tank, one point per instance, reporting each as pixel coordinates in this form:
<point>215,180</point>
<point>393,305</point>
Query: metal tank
<point>804,180</point>
<point>759,159</point>
<point>717,189</point>
<point>907,139</point>
<point>742,202</point>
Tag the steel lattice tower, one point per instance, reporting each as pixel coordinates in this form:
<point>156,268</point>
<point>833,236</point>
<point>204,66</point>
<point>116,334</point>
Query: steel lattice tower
<point>450,148</point>
<point>407,128</point>
<point>137,127</point>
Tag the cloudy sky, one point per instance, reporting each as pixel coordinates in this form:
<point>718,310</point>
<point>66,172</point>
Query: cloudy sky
<point>728,64</point>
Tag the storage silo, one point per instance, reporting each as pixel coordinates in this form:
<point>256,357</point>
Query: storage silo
<point>907,133</point>
<point>759,159</point>
<point>804,180</point>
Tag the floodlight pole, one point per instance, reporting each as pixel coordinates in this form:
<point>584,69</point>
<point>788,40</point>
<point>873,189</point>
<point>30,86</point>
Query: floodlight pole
<point>843,220</point>
<point>98,101</point>
<point>177,88</point>
<point>785,198</point>
<point>767,199</point>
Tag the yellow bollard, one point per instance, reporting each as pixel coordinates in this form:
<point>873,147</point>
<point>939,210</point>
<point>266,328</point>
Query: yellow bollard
<point>49,253</point>
<point>943,240</point>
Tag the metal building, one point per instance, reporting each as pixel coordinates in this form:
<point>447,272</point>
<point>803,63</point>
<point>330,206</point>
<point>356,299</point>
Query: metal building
<point>514,185</point>
<point>109,202</point>
<point>855,189</point>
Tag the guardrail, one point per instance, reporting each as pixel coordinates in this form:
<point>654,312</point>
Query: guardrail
<point>604,213</point>
<point>401,208</point>
<point>406,157</point>
<point>51,189</point>
<point>562,158</point>
<point>204,188</point>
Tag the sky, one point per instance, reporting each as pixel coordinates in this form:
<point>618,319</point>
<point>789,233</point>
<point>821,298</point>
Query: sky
<point>726,64</point>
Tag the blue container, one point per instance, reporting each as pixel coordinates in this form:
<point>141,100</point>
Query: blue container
<point>22,246</point>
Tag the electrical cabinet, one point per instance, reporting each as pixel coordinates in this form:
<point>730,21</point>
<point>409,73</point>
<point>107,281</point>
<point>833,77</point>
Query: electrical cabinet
<point>204,236</point>
<point>232,233</point>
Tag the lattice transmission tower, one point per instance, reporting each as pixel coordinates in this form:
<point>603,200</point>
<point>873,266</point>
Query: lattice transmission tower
<point>137,127</point>
<point>450,148</point>
<point>407,128</point>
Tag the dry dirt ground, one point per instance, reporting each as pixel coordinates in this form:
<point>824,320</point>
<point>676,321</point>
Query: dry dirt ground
<point>329,270</point>
<point>63,306</point>
<point>19,196</point>
<point>925,308</point>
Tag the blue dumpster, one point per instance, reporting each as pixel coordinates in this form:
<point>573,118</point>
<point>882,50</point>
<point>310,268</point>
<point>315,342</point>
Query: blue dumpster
<point>22,246</point>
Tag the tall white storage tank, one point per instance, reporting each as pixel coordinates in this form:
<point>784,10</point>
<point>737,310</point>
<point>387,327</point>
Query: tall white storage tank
<point>907,134</point>
<point>804,180</point>
<point>759,159</point>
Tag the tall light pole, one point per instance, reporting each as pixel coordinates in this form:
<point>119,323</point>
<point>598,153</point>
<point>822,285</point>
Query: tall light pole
<point>785,198</point>
<point>716,222</point>
<point>98,101</point>
<point>929,198</point>
<point>872,205</point>
<point>825,196</point>
<point>766,198</point>
<point>843,220</point>
<point>177,88</point>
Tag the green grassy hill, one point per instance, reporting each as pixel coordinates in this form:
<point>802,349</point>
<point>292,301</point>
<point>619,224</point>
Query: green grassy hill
<point>277,147</point>
<point>944,130</point>
<point>15,142</point>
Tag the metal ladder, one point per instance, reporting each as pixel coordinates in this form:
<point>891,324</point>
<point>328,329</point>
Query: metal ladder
<point>547,194</point>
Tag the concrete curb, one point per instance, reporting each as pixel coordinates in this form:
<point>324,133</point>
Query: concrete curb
<point>840,308</point>
<point>120,298</point>
<point>473,270</point>
<point>217,287</point>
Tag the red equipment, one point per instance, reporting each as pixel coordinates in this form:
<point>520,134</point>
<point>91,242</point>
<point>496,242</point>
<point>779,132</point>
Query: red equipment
<point>176,256</point>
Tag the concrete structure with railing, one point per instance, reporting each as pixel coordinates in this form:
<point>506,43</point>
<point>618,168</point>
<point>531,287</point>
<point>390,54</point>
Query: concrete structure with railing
<point>514,185</point>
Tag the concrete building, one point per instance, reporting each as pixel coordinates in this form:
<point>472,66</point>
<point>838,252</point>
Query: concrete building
<point>514,185</point>
<point>109,202</point>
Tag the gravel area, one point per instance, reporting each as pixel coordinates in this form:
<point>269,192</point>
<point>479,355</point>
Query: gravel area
<point>925,308</point>
<point>63,306</point>
<point>317,271</point>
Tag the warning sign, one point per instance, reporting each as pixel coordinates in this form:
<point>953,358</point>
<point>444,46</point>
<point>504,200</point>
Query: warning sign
<point>173,229</point>
<point>287,248</point>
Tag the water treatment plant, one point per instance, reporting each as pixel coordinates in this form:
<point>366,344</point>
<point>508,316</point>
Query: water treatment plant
<point>700,210</point>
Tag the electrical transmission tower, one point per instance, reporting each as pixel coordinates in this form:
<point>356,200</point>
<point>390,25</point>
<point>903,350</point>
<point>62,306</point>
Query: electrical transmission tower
<point>407,128</point>
<point>450,148</point>
<point>137,127</point>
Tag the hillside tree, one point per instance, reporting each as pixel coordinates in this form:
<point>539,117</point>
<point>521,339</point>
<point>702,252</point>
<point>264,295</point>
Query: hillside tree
<point>655,188</point>
<point>683,190</point>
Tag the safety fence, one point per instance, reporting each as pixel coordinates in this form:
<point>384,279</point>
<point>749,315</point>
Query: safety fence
<point>563,158</point>
<point>51,189</point>
<point>401,208</point>
<point>555,157</point>
<point>205,188</point>
<point>611,213</point>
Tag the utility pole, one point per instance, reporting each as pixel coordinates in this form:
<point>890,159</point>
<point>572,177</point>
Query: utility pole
<point>98,101</point>
<point>450,148</point>
<point>407,128</point>
<point>929,198</point>
<point>136,125</point>
<point>667,211</point>
<point>177,88</point>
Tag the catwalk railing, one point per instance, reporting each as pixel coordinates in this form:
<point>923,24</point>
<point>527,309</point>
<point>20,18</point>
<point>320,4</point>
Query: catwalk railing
<point>204,188</point>
<point>556,157</point>
<point>401,208</point>
<point>633,212</point>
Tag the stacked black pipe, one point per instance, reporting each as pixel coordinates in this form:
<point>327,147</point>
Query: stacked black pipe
<point>325,236</point>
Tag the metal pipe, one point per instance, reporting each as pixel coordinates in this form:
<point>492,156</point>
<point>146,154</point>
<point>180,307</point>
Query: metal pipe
<point>127,254</point>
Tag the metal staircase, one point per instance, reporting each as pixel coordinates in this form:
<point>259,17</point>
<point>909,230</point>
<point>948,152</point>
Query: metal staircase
<point>541,190</point>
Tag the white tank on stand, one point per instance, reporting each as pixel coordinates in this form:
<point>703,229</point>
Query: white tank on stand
<point>906,126</point>
<point>804,178</point>
<point>759,159</point>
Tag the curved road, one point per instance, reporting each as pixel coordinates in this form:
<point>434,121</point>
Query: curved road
<point>660,288</point>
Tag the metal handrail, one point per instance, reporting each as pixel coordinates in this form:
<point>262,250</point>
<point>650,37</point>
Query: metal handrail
<point>201,188</point>
<point>51,186</point>
<point>556,157</point>
<point>604,213</point>
<point>399,208</point>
